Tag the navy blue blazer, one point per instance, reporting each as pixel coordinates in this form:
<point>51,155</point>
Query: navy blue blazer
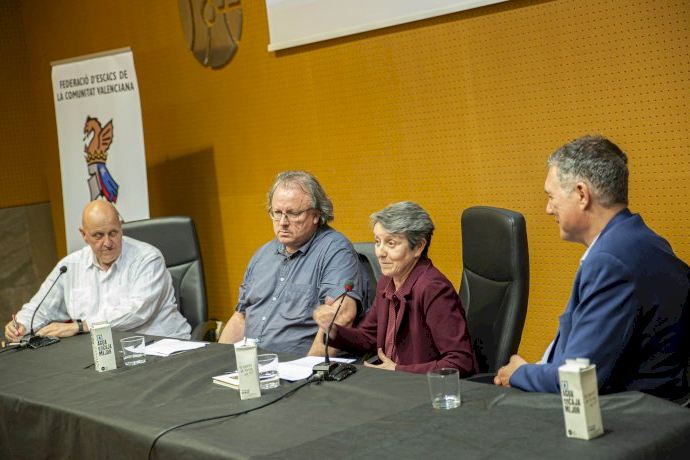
<point>628,313</point>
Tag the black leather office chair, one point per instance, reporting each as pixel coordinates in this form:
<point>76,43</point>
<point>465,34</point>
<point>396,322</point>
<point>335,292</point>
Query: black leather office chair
<point>495,282</point>
<point>370,264</point>
<point>176,238</point>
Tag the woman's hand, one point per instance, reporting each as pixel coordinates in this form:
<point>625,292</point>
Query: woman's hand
<point>324,314</point>
<point>386,363</point>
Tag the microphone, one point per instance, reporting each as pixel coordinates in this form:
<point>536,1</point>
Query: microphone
<point>348,288</point>
<point>36,341</point>
<point>334,371</point>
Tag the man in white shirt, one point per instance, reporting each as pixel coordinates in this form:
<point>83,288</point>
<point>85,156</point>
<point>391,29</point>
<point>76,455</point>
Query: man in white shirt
<point>115,279</point>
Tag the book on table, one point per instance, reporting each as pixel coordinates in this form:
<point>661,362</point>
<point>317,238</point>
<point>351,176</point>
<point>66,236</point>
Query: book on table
<point>232,380</point>
<point>228,380</point>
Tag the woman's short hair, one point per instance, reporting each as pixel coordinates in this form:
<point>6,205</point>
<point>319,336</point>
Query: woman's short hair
<point>308,183</point>
<point>408,219</point>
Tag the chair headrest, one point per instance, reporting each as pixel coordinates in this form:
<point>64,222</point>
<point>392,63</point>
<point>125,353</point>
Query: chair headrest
<point>493,241</point>
<point>174,236</point>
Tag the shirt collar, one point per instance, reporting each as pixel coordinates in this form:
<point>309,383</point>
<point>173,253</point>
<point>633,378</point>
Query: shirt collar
<point>621,215</point>
<point>280,248</point>
<point>93,262</point>
<point>404,291</point>
<point>589,248</point>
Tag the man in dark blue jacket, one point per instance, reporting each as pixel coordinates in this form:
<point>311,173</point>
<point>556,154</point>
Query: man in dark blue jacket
<point>628,310</point>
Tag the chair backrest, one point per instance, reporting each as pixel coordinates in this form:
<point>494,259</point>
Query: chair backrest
<point>176,238</point>
<point>370,265</point>
<point>495,282</point>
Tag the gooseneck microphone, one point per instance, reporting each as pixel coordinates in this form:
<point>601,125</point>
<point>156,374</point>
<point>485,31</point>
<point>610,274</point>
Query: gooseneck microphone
<point>348,288</point>
<point>35,341</point>
<point>334,371</point>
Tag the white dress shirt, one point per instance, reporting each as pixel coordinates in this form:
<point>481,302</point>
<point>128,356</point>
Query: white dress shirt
<point>547,354</point>
<point>135,294</point>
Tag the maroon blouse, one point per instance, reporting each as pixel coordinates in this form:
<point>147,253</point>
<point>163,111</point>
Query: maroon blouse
<point>428,326</point>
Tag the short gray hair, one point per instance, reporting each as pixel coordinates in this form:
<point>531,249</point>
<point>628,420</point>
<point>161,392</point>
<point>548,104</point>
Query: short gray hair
<point>407,219</point>
<point>598,161</point>
<point>308,183</point>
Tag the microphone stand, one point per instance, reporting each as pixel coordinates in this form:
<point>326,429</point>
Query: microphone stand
<point>36,341</point>
<point>334,371</point>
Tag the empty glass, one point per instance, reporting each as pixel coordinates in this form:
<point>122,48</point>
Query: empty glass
<point>133,350</point>
<point>268,371</point>
<point>444,388</point>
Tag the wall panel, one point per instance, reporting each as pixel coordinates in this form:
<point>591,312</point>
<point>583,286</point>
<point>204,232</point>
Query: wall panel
<point>22,179</point>
<point>451,112</point>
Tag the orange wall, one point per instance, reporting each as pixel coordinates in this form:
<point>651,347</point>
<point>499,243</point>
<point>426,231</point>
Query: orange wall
<point>22,176</point>
<point>450,112</point>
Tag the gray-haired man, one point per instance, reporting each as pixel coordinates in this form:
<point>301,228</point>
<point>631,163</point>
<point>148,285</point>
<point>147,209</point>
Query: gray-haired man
<point>628,311</point>
<point>306,265</point>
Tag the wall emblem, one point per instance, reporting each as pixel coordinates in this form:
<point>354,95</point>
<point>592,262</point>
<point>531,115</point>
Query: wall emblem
<point>212,29</point>
<point>97,140</point>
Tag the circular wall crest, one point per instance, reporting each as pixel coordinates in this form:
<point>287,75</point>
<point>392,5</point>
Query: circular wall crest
<point>212,29</point>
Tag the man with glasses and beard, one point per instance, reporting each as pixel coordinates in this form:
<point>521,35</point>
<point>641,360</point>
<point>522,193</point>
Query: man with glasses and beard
<point>306,265</point>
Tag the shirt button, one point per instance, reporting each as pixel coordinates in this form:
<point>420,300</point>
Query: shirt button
<point>263,318</point>
<point>282,279</point>
<point>273,299</point>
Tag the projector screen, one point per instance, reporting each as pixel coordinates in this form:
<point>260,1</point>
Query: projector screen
<point>298,22</point>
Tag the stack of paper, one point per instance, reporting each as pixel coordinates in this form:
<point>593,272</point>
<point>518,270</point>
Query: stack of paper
<point>167,347</point>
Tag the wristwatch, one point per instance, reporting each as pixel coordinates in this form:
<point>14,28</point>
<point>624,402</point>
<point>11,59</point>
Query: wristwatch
<point>81,326</point>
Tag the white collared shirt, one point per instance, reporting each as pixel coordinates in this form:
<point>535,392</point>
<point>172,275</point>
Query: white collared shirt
<point>545,357</point>
<point>584,256</point>
<point>135,294</point>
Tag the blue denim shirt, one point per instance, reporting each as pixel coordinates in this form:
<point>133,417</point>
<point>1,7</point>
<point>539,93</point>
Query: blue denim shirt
<point>280,291</point>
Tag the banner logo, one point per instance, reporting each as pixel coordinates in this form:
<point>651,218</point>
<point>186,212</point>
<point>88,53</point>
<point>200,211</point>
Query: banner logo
<point>97,140</point>
<point>93,95</point>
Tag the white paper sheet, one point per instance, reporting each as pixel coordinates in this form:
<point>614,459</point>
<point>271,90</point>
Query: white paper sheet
<point>166,347</point>
<point>291,371</point>
<point>302,368</point>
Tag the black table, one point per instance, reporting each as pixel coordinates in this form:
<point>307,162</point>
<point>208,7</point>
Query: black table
<point>52,404</point>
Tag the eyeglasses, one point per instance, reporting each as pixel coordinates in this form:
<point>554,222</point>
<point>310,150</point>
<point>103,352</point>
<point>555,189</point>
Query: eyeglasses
<point>290,216</point>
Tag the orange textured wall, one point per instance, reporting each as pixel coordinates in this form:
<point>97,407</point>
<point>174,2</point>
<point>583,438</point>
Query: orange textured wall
<point>22,179</point>
<point>450,112</point>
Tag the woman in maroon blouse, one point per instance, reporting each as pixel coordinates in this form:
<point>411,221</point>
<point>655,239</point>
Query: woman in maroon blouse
<point>416,322</point>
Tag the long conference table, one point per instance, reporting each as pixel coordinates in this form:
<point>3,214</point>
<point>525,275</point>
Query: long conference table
<point>54,405</point>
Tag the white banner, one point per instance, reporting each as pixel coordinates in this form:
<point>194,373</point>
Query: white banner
<point>298,22</point>
<point>101,137</point>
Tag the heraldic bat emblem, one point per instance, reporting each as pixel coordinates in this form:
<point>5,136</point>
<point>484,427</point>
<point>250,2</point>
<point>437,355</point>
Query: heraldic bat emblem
<point>97,140</point>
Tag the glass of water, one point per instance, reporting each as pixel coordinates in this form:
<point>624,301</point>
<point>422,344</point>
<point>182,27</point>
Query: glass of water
<point>268,371</point>
<point>133,350</point>
<point>444,388</point>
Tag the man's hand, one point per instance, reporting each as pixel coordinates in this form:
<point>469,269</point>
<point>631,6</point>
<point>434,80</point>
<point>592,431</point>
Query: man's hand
<point>503,375</point>
<point>234,329</point>
<point>14,334</point>
<point>59,330</point>
<point>386,363</point>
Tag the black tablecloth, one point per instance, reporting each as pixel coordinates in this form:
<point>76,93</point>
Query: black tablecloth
<point>53,404</point>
